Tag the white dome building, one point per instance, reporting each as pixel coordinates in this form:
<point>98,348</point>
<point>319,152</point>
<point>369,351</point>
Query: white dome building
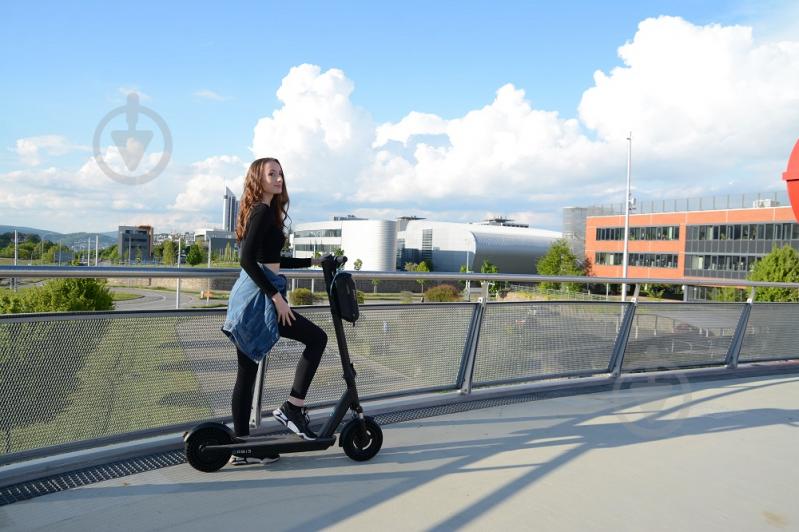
<point>512,248</point>
<point>374,242</point>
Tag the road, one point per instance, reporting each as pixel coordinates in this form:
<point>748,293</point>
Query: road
<point>156,299</point>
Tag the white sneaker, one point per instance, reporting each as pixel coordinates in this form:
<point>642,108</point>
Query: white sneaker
<point>247,460</point>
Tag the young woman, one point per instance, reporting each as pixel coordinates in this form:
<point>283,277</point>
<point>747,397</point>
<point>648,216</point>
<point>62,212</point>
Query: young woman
<point>259,230</point>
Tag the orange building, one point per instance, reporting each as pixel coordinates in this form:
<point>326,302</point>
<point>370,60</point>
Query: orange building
<point>720,244</point>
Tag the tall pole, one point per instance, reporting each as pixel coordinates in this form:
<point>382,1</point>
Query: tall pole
<point>177,295</point>
<point>627,217</point>
<point>96,249</point>
<point>14,280</point>
<point>59,252</point>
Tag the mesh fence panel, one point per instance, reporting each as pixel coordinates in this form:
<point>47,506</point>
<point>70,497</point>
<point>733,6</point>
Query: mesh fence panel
<point>79,377</point>
<point>674,335</point>
<point>394,349</point>
<point>535,340</point>
<point>772,333</point>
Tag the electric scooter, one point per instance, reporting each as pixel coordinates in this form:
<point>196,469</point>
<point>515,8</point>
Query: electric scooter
<point>209,446</point>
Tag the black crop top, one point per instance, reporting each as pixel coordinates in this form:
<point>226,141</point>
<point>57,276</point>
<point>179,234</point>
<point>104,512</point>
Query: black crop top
<point>262,242</point>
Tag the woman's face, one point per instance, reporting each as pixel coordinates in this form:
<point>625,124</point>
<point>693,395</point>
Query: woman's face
<point>273,179</point>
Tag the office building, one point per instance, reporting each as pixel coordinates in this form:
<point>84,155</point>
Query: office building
<point>230,211</point>
<point>706,238</point>
<point>135,242</point>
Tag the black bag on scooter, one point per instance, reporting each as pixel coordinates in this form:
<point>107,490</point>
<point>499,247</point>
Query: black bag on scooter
<point>345,297</point>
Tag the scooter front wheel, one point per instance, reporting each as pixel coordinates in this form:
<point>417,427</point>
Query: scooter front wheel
<point>361,445</point>
<point>203,459</point>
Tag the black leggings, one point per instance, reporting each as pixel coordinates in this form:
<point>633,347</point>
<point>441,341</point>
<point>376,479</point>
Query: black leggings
<point>302,330</point>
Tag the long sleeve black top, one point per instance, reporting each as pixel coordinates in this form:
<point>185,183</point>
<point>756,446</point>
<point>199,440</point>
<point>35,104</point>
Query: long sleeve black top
<point>262,242</point>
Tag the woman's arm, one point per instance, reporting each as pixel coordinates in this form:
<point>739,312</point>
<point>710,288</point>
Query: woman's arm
<point>293,262</point>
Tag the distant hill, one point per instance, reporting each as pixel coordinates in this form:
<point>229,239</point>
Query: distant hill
<point>68,239</point>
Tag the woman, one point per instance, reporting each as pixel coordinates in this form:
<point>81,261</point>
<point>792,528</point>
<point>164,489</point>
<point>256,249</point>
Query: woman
<point>259,230</point>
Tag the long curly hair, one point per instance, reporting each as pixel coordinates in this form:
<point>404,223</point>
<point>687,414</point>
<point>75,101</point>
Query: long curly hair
<point>254,192</point>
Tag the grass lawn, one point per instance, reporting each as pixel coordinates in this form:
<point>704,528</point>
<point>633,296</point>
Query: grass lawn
<point>124,296</point>
<point>82,379</point>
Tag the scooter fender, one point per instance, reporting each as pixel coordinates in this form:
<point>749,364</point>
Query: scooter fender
<point>209,424</point>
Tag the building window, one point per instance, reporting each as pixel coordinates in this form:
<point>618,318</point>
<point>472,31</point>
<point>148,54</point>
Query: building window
<point>645,260</point>
<point>671,232</point>
<point>318,233</point>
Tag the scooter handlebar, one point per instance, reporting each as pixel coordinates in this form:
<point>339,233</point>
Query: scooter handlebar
<point>338,261</point>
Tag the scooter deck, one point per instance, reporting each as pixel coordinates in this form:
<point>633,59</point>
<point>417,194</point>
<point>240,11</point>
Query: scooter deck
<point>261,446</point>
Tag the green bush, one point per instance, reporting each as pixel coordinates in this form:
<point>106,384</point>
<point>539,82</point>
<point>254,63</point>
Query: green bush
<point>59,295</point>
<point>442,292</point>
<point>300,296</point>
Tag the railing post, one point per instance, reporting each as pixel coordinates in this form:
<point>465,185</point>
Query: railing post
<point>474,337</point>
<point>617,358</point>
<point>738,337</point>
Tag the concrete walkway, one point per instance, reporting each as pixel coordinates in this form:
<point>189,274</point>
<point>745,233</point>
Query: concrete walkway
<point>719,455</point>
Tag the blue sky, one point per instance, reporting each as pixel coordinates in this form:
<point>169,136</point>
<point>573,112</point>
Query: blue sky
<point>66,65</point>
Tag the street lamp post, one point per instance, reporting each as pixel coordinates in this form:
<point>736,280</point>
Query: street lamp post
<point>177,295</point>
<point>627,217</point>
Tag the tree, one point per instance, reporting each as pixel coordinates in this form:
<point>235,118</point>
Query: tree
<point>338,252</point>
<point>375,282</point>
<point>194,255</point>
<point>357,264</point>
<point>560,261</point>
<point>489,267</point>
<point>60,295</point>
<point>422,267</point>
<point>228,252</point>
<point>779,266</point>
<point>168,253</point>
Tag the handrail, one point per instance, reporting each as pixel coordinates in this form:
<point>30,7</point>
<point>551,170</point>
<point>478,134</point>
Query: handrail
<point>225,273</point>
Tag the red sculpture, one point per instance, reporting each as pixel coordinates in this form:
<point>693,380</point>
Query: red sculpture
<point>791,177</point>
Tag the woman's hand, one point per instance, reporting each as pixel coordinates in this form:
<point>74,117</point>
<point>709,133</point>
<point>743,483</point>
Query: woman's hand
<point>284,313</point>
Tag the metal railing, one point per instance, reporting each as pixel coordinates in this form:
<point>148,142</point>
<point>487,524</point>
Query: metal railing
<point>80,379</point>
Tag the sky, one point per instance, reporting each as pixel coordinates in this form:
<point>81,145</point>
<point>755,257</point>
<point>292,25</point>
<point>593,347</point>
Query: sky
<point>454,111</point>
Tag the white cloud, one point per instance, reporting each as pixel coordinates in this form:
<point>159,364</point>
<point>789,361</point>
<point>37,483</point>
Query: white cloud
<point>208,94</point>
<point>413,124</point>
<point>322,139</point>
<point>86,199</point>
<point>205,188</point>
<point>31,149</point>
<point>709,94</point>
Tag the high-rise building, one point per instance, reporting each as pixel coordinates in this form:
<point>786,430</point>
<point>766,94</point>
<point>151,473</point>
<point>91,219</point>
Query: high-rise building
<point>230,211</point>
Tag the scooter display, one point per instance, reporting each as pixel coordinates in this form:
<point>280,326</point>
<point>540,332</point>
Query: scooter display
<point>210,445</point>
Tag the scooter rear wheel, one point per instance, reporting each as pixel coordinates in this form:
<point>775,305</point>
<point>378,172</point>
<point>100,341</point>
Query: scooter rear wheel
<point>203,459</point>
<point>361,447</point>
